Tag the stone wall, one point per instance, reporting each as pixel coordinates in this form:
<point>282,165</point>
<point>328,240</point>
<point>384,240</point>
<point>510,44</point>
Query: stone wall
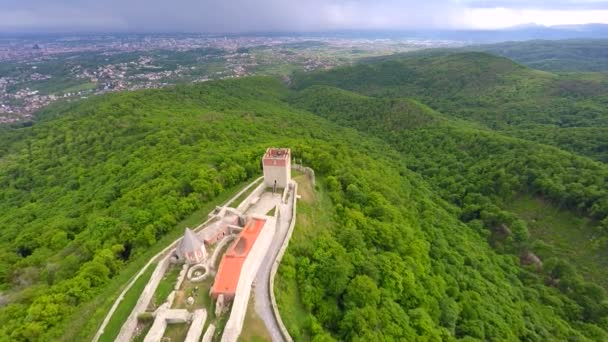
<point>196,327</point>
<point>208,337</point>
<point>162,319</point>
<point>242,207</point>
<point>130,324</point>
<point>277,262</point>
<point>180,278</point>
<point>306,170</point>
<point>216,253</point>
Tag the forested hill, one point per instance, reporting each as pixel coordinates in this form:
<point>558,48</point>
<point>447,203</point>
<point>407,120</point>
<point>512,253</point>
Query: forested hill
<point>479,87</point>
<point>488,90</point>
<point>418,242</point>
<point>482,172</point>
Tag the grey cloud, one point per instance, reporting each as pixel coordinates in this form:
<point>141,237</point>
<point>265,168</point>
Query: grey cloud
<point>222,15</point>
<point>247,15</point>
<point>539,4</point>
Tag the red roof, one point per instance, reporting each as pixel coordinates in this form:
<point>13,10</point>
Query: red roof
<point>229,271</point>
<point>277,153</point>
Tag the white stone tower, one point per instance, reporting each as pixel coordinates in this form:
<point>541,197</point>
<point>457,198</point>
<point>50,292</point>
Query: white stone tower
<point>277,167</point>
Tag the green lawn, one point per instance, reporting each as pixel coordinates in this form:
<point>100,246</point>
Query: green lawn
<point>79,87</point>
<point>166,284</point>
<point>88,317</point>
<point>126,306</point>
<point>254,329</point>
<point>271,211</point>
<point>176,332</point>
<point>145,328</point>
<point>202,300</point>
<point>566,236</point>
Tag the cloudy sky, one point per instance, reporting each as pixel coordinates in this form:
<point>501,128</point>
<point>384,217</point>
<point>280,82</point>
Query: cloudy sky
<point>290,15</point>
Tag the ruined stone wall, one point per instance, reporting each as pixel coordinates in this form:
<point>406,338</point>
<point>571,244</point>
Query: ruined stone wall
<point>305,170</point>
<point>126,332</point>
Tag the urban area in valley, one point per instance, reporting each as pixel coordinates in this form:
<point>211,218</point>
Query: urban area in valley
<point>36,71</point>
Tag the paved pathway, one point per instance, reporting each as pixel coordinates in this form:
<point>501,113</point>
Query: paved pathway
<point>262,301</point>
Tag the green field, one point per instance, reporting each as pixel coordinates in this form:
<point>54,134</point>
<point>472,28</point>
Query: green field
<point>176,332</point>
<point>166,285</point>
<point>80,87</point>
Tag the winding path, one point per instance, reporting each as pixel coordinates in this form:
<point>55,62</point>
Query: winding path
<point>263,303</point>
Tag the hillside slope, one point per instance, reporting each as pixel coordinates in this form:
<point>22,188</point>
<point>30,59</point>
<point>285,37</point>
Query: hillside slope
<point>93,185</point>
<point>482,173</point>
<point>478,87</point>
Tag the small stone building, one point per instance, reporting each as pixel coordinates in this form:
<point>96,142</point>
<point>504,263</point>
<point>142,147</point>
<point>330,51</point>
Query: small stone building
<point>277,167</point>
<point>191,249</point>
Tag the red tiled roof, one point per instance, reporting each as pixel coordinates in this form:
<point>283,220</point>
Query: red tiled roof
<point>229,271</point>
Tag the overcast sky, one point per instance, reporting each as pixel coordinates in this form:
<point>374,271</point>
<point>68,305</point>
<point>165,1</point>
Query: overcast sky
<point>290,15</point>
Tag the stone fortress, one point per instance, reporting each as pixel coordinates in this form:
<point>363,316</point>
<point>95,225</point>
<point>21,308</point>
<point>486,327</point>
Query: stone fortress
<point>218,263</point>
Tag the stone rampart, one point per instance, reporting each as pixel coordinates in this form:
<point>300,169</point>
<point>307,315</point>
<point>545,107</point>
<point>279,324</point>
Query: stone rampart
<point>306,170</point>
<point>277,262</point>
<point>255,194</point>
<point>130,324</point>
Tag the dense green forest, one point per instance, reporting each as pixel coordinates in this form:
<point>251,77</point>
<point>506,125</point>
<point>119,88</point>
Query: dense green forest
<point>491,91</point>
<point>420,242</point>
<point>478,170</point>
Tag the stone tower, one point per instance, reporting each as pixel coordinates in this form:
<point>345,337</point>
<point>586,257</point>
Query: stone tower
<point>277,167</point>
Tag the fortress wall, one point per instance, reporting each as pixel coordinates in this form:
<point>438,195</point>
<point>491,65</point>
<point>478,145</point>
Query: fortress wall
<point>196,327</point>
<point>254,194</point>
<point>305,170</point>
<point>277,262</point>
<point>180,278</point>
<point>209,333</point>
<point>130,324</point>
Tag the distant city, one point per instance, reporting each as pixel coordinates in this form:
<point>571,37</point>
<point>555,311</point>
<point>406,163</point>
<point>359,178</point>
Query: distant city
<point>37,71</point>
